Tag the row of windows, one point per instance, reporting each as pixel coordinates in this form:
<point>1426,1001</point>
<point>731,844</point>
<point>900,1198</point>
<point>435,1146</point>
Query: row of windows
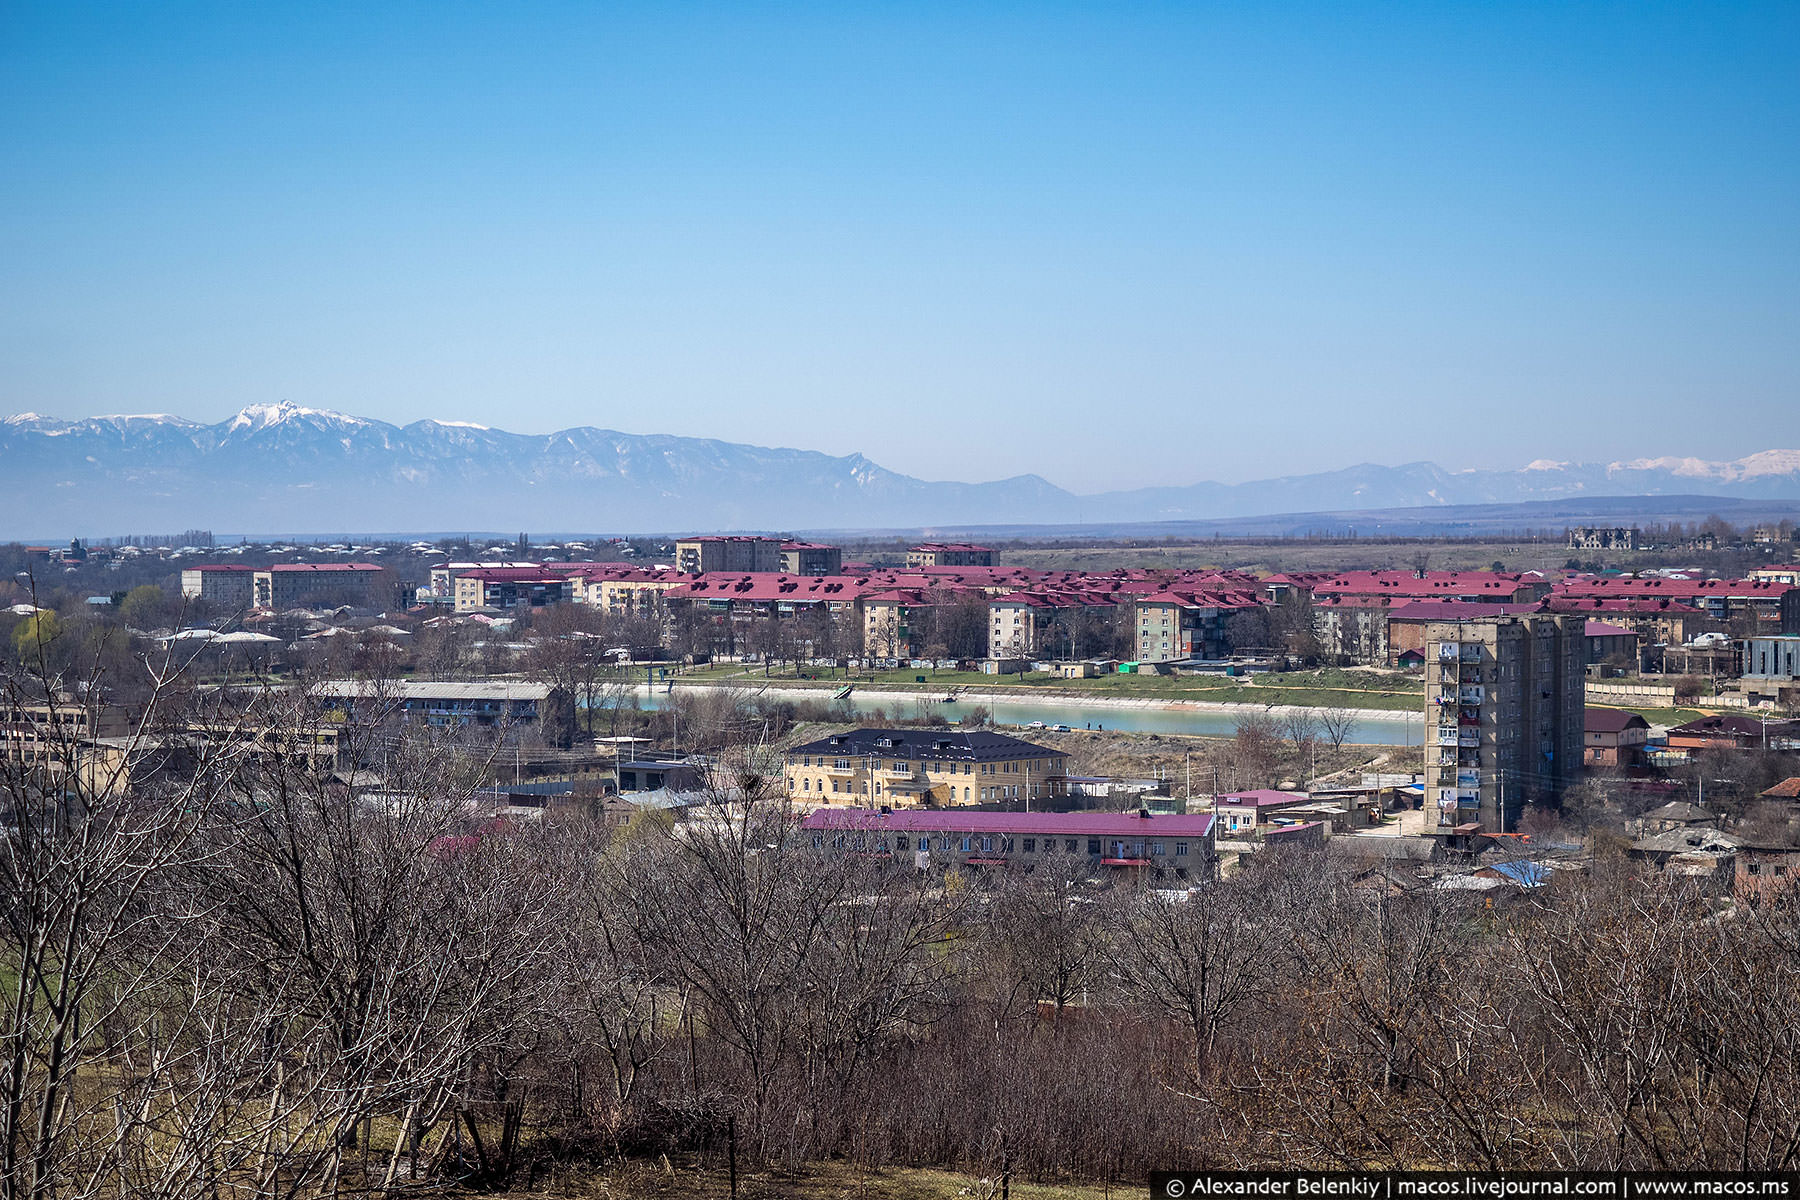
<point>1012,791</point>
<point>844,764</point>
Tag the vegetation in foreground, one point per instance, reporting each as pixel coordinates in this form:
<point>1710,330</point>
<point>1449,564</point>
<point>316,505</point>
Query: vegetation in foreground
<point>245,975</point>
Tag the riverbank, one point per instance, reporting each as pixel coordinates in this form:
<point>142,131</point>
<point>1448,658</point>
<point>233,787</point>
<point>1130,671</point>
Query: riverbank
<point>1201,718</point>
<point>1060,698</point>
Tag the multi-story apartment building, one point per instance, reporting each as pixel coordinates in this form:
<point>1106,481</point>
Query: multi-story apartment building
<point>1172,626</point>
<point>811,558</point>
<point>912,767</point>
<point>1017,624</point>
<point>637,593</point>
<point>291,584</point>
<point>888,623</point>
<point>1504,715</point>
<point>509,588</point>
<point>227,586</point>
<point>949,554</point>
<point>697,554</point>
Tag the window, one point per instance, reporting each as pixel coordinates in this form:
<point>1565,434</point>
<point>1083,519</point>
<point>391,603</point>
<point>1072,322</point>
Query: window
<point>806,785</point>
<point>1006,845</point>
<point>1093,845</point>
<point>987,845</point>
<point>1069,845</point>
<point>1031,845</point>
<point>900,841</point>
<point>818,841</point>
<point>1180,849</point>
<point>1156,847</point>
<point>965,845</point>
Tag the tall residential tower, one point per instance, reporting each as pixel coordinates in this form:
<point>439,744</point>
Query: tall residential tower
<point>1504,706</point>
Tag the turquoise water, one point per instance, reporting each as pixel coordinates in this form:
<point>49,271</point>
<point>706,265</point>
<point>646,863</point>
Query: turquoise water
<point>1400,729</point>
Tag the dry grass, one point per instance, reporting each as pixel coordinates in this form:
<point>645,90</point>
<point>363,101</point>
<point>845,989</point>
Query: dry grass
<point>826,1181</point>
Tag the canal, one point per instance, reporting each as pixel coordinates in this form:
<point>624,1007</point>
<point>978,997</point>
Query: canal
<point>1370,729</point>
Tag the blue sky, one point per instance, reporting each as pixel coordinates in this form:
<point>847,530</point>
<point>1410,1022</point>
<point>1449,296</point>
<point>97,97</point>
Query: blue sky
<point>1111,244</point>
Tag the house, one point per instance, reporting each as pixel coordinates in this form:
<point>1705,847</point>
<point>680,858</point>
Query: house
<point>1613,737</point>
<point>1127,843</point>
<point>1787,789</point>
<point>1699,853</point>
<point>1733,732</point>
<point>1243,814</point>
<point>911,767</point>
<point>1765,871</point>
<point>1674,816</point>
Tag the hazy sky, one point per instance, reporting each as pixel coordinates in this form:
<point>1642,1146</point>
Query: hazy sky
<point>1107,243</point>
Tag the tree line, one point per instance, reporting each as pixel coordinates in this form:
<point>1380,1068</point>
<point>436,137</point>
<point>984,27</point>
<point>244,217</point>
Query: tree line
<point>248,977</point>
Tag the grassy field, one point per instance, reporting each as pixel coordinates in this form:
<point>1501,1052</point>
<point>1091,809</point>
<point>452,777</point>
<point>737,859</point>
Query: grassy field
<point>825,1181</point>
<point>1514,554</point>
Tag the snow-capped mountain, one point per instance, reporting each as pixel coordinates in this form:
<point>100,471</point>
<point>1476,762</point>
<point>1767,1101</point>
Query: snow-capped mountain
<point>285,468</point>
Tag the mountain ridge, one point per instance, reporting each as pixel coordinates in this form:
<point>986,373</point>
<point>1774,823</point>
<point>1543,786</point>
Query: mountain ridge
<point>289,466</point>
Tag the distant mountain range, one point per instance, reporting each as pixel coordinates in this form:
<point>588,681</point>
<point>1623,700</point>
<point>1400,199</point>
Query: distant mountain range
<point>283,469</point>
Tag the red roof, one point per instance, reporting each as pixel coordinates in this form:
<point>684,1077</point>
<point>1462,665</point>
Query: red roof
<point>968,820</point>
<point>1454,610</point>
<point>324,568</point>
<point>1262,798</point>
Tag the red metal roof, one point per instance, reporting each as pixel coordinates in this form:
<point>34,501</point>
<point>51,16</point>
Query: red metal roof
<point>963,820</point>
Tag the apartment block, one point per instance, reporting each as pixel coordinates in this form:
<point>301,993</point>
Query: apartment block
<point>949,554</point>
<point>291,585</point>
<point>694,555</point>
<point>226,586</point>
<point>1505,701</point>
<point>811,558</point>
<point>1172,626</point>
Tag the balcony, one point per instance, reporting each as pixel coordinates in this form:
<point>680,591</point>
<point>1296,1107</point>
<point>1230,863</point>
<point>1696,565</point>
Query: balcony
<point>1448,736</point>
<point>1448,652</point>
<point>1469,653</point>
<point>1471,695</point>
<point>1468,737</point>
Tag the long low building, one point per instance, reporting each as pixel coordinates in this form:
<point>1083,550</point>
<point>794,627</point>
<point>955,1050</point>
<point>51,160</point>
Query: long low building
<point>499,704</point>
<point>1181,844</point>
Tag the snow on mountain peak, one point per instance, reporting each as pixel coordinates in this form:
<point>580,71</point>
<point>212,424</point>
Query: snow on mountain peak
<point>261,416</point>
<point>1764,462</point>
<point>1546,464</point>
